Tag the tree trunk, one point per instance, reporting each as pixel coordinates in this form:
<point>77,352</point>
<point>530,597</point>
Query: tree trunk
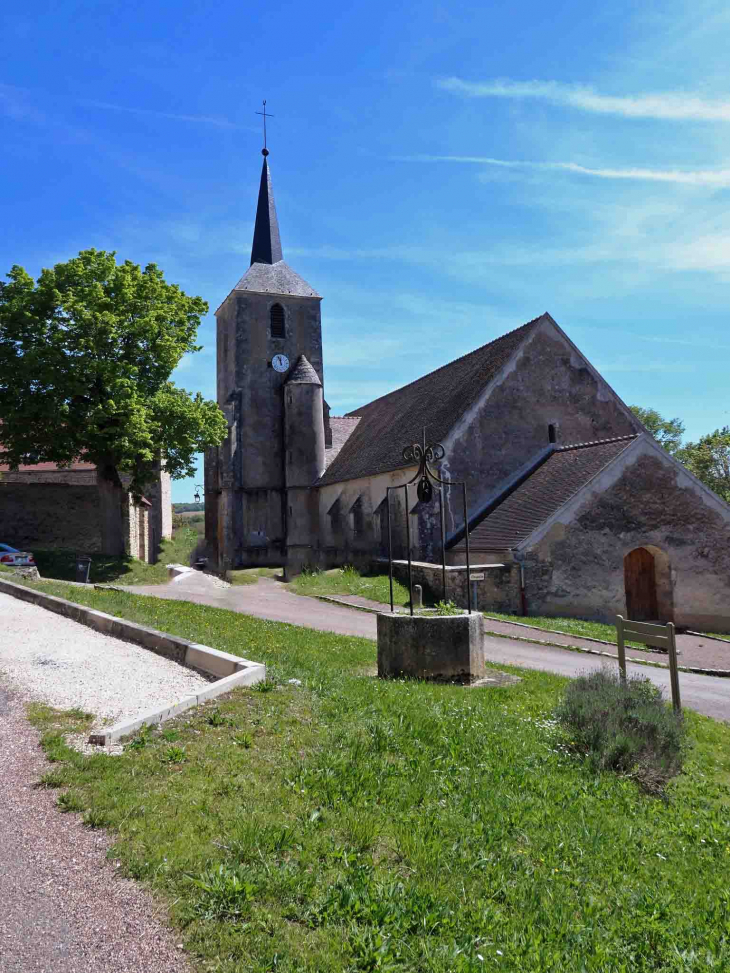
<point>112,499</point>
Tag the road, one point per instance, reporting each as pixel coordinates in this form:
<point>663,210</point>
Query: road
<point>270,599</point>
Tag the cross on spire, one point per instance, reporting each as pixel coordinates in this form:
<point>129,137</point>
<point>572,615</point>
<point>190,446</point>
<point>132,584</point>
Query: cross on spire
<point>266,115</point>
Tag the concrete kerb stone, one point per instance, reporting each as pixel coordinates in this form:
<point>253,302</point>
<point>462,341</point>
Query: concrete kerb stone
<point>226,670</point>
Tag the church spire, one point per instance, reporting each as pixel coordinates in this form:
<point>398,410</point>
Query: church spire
<point>266,247</point>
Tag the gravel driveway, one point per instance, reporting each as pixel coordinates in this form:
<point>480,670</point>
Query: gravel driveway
<point>64,907</point>
<point>47,657</point>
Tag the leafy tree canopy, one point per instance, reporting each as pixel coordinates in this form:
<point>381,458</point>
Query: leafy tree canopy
<point>709,460</point>
<point>667,432</point>
<point>86,353</point>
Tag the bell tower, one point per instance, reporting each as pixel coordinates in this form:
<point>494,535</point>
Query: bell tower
<point>267,323</point>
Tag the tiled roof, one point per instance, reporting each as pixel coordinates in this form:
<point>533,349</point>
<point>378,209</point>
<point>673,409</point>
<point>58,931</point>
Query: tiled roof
<point>276,278</point>
<point>437,401</point>
<point>537,497</point>
<point>342,428</point>
<point>50,467</point>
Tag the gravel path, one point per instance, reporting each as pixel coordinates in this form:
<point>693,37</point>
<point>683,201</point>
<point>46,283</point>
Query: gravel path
<point>64,907</point>
<point>58,661</point>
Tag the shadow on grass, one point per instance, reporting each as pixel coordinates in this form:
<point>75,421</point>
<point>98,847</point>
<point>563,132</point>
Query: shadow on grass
<point>60,564</point>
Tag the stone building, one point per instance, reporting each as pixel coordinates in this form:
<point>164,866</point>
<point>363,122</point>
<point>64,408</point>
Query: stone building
<point>43,506</point>
<point>574,509</point>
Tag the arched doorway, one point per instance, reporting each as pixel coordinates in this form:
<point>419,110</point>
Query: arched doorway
<point>648,585</point>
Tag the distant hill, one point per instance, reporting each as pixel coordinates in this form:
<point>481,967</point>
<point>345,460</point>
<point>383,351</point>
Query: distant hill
<point>183,508</point>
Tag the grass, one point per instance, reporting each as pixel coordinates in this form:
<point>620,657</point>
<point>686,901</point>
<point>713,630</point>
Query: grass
<point>252,575</point>
<point>60,565</point>
<point>348,581</point>
<point>579,627</point>
<point>354,824</point>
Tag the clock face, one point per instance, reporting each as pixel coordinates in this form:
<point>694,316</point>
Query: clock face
<point>280,363</point>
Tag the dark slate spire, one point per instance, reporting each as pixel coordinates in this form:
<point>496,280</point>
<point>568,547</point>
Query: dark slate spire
<point>266,247</point>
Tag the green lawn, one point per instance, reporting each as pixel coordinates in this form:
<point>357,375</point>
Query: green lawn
<point>61,564</point>
<point>353,824</point>
<point>252,575</point>
<point>347,581</point>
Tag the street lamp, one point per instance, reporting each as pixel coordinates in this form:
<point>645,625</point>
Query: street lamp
<point>196,495</point>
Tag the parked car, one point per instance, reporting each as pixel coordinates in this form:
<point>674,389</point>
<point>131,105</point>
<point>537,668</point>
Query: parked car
<point>11,557</point>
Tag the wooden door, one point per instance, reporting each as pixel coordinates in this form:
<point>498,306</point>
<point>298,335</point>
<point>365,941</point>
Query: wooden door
<point>640,582</point>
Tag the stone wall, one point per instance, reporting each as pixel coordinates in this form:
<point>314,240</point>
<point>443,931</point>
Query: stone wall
<point>497,591</point>
<point>48,515</point>
<point>548,383</point>
<point>575,566</point>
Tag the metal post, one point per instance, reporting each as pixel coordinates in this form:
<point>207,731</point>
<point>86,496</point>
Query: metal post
<point>408,545</point>
<point>673,670</point>
<point>443,540</point>
<point>390,549</point>
<point>468,558</point>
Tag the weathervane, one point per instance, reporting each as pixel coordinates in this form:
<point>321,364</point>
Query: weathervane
<point>266,115</point>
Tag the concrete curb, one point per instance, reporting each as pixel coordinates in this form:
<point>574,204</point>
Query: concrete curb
<point>226,670</point>
<point>719,673</point>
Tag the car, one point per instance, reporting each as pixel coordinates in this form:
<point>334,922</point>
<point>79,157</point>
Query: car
<point>11,557</point>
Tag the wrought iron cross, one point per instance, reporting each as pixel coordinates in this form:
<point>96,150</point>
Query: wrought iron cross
<point>266,115</point>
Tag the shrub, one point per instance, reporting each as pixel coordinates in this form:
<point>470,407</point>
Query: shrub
<point>625,727</point>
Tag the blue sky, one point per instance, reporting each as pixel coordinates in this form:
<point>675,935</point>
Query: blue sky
<point>443,172</point>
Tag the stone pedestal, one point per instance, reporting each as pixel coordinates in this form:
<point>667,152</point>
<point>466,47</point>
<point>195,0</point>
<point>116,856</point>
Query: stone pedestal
<point>444,648</point>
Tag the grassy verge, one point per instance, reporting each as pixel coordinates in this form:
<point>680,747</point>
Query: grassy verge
<point>60,565</point>
<point>251,575</point>
<point>347,581</point>
<point>352,824</point>
<point>579,627</point>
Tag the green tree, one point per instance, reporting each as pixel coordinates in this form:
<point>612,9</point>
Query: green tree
<point>86,354</point>
<point>667,432</point>
<point>709,460</point>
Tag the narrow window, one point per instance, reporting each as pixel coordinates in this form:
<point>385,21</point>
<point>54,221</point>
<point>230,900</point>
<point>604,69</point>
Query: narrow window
<point>278,329</point>
<point>358,517</point>
<point>551,433</point>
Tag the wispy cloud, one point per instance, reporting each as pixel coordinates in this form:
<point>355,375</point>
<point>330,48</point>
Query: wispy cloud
<point>714,178</point>
<point>678,106</point>
<point>218,121</point>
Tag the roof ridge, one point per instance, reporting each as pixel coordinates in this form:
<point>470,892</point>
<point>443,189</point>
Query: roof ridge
<point>596,442</point>
<point>449,364</point>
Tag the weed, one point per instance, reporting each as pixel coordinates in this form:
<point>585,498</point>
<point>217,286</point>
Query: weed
<point>265,686</point>
<point>142,738</point>
<point>54,778</point>
<point>95,818</point>
<point>216,718</point>
<point>244,740</point>
<point>447,608</point>
<point>223,893</point>
<point>173,755</point>
<point>170,735</point>
<point>70,801</point>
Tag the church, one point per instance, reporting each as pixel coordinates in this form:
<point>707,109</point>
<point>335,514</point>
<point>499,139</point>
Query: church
<point>573,508</point>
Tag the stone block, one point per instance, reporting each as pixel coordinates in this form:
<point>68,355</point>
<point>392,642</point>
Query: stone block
<point>445,648</point>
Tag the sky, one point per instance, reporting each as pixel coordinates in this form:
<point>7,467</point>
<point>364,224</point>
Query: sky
<point>443,172</point>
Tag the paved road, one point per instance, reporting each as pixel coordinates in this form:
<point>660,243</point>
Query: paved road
<point>270,599</point>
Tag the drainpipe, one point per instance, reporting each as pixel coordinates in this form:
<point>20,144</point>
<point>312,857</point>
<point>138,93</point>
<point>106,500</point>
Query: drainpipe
<point>519,557</point>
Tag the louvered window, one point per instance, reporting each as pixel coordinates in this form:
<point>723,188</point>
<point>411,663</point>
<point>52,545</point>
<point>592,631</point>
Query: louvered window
<point>278,328</point>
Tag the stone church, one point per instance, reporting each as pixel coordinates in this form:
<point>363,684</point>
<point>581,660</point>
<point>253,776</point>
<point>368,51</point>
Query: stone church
<point>574,509</point>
